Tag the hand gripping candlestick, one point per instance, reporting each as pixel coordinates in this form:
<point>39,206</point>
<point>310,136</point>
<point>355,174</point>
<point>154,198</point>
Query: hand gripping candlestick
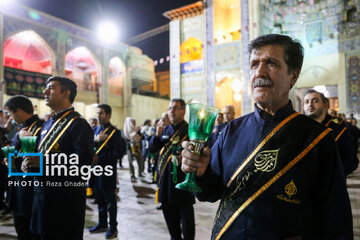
<point>201,122</point>
<point>28,144</point>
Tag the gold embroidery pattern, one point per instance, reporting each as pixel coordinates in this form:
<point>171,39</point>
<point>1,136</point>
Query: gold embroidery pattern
<point>290,190</point>
<point>286,120</point>
<point>265,161</point>
<point>56,146</point>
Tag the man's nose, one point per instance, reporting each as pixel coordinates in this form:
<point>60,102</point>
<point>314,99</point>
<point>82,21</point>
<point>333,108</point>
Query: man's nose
<point>45,91</point>
<point>261,70</point>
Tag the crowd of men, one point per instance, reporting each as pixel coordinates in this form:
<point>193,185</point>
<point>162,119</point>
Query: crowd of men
<point>278,174</point>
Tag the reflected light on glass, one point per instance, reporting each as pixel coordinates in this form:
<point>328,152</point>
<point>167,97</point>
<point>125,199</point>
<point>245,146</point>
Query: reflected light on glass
<point>107,32</point>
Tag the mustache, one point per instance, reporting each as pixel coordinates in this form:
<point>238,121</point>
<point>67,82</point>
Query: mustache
<point>262,82</point>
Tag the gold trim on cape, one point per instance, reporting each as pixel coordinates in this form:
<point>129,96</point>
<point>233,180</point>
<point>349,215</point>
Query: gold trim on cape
<point>60,134</point>
<point>37,130</point>
<point>57,121</point>
<point>105,142</point>
<point>29,130</point>
<point>339,135</point>
<point>327,124</point>
<point>167,161</point>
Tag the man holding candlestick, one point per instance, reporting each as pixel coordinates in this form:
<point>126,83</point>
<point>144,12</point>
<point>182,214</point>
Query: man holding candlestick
<point>277,172</point>
<point>177,205</point>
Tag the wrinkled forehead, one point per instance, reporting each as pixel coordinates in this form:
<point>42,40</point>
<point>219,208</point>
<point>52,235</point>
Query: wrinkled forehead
<point>271,51</point>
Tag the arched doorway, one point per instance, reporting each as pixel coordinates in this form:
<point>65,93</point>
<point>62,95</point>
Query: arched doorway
<point>116,76</point>
<point>81,66</point>
<point>28,62</point>
<point>28,51</point>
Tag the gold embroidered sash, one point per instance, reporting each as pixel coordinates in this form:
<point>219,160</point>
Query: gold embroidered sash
<point>270,160</point>
<point>56,131</point>
<point>106,140</point>
<point>166,151</point>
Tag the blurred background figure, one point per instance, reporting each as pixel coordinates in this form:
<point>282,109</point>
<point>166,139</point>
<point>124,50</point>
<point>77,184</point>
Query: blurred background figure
<point>133,137</point>
<point>147,133</point>
<point>219,119</point>
<point>93,123</point>
<point>47,116</point>
<point>354,131</point>
<point>229,113</point>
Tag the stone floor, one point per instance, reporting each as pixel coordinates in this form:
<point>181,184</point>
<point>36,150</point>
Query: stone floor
<point>139,220</point>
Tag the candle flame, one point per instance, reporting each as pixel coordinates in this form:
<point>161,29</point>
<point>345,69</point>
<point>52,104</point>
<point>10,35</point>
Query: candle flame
<point>202,114</point>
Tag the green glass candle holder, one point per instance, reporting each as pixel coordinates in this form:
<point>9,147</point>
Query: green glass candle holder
<point>201,122</point>
<point>28,143</point>
<point>8,149</point>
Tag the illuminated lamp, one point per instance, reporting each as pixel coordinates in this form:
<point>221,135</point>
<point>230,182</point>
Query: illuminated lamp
<point>82,65</point>
<point>107,32</point>
<point>320,88</point>
<point>237,97</point>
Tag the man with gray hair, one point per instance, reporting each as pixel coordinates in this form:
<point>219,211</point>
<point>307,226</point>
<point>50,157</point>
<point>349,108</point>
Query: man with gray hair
<point>276,171</point>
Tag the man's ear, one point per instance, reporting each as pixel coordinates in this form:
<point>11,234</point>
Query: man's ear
<point>67,94</point>
<point>295,75</point>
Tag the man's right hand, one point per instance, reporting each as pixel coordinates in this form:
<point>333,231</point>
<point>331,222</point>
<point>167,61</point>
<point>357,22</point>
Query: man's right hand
<point>192,162</point>
<point>159,128</point>
<point>29,162</point>
<point>23,132</point>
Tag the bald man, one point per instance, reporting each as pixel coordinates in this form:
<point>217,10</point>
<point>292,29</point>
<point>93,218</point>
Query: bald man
<point>228,114</point>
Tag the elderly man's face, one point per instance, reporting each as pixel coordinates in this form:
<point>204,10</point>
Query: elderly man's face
<point>269,76</point>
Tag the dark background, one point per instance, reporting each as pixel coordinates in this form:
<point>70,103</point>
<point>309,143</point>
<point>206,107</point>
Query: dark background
<point>133,17</point>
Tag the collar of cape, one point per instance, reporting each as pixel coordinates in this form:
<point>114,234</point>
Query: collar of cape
<point>57,130</point>
<point>264,165</point>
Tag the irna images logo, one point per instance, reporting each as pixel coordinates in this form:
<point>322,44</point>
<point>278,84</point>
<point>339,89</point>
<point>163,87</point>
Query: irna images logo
<point>60,164</point>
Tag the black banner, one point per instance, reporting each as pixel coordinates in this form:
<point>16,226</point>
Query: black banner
<point>30,84</point>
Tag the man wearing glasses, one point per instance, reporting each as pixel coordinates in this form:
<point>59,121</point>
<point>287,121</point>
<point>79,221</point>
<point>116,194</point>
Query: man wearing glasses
<point>177,205</point>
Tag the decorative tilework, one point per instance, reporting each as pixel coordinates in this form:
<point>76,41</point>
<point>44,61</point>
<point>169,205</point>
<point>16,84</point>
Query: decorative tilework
<point>227,56</point>
<point>15,25</point>
<point>353,82</point>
